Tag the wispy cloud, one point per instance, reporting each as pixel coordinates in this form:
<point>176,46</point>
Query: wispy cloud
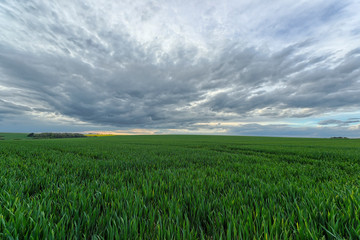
<point>340,123</point>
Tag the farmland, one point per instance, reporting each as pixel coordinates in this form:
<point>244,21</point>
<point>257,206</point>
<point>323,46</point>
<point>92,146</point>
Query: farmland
<point>13,136</point>
<point>180,187</point>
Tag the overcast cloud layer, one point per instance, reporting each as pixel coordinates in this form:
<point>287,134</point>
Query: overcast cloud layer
<point>279,68</point>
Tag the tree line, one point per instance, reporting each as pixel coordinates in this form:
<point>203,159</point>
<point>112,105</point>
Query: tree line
<point>56,135</point>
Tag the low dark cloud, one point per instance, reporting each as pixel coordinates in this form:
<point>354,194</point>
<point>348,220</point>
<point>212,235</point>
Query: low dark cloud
<point>339,122</point>
<point>11,108</point>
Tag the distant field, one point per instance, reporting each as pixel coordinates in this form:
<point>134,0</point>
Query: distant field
<point>13,136</point>
<point>180,187</point>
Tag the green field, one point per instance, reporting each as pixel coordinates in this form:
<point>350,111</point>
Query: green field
<point>13,136</point>
<point>180,187</point>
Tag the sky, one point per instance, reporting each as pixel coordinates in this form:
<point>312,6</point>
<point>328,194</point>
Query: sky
<point>230,67</point>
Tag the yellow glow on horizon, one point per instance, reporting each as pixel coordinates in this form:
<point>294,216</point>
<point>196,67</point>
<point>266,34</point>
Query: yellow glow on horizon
<point>121,132</point>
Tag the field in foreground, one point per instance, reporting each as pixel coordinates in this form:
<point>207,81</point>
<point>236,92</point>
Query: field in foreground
<point>180,187</point>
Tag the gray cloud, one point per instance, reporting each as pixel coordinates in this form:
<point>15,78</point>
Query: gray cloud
<point>154,66</point>
<point>339,122</point>
<point>11,108</point>
<point>321,89</point>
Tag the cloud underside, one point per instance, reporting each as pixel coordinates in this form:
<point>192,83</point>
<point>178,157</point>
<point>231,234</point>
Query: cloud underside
<point>154,66</point>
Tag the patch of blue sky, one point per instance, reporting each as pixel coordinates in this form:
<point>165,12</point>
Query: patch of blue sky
<point>333,11</point>
<point>356,31</point>
<point>301,122</point>
<point>343,116</point>
<point>314,121</point>
<point>303,22</point>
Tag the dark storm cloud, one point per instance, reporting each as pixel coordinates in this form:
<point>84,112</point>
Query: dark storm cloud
<point>133,65</point>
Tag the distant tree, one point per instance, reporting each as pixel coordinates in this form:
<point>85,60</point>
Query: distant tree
<point>31,135</point>
<point>56,135</point>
